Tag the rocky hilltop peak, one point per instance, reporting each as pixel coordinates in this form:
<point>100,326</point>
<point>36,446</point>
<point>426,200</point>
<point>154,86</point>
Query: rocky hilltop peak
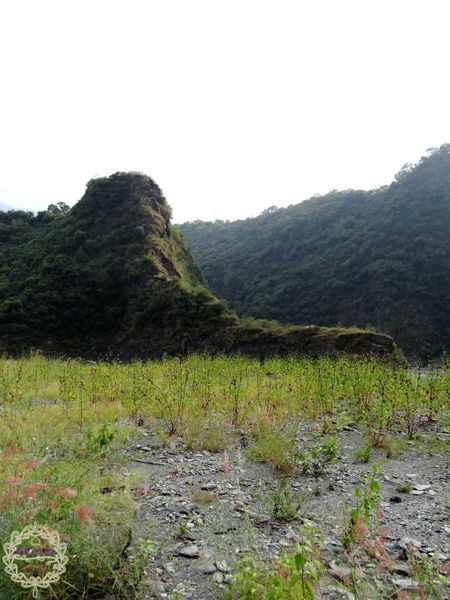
<point>112,278</point>
<point>133,196</point>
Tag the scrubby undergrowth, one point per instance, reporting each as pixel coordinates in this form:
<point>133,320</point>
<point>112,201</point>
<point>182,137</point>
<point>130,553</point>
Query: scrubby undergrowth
<point>64,424</point>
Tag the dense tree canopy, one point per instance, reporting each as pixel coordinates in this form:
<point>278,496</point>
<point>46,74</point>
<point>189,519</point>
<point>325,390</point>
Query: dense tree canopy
<point>367,258</point>
<point>112,278</point>
<point>83,279</point>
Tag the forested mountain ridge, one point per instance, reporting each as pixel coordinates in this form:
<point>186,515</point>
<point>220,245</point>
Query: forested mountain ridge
<point>112,278</point>
<point>375,258</point>
<point>86,280</point>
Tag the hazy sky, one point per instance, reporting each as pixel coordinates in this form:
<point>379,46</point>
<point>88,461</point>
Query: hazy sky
<point>231,106</point>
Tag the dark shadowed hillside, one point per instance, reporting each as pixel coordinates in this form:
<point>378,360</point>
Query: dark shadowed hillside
<point>371,259</point>
<point>111,277</point>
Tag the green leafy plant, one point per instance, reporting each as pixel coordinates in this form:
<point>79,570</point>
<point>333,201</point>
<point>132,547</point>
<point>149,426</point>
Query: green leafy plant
<point>394,446</point>
<point>367,498</point>
<point>275,448</point>
<point>207,434</point>
<point>364,454</point>
<point>285,504</point>
<point>315,460</point>
<point>183,530</point>
<point>403,488</point>
<point>98,440</point>
<point>431,583</point>
<point>292,577</point>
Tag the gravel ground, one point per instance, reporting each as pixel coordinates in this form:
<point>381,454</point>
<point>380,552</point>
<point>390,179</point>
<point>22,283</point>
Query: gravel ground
<point>201,516</point>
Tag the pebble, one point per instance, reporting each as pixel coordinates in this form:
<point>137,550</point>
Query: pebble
<point>209,486</point>
<point>331,542</point>
<point>439,556</point>
<point>407,541</point>
<point>191,551</point>
<point>180,508</point>
<point>169,568</point>
<point>401,570</point>
<point>155,500</point>
<point>222,566</point>
<point>217,578</point>
<point>203,565</point>
<point>406,584</point>
<point>341,572</point>
<point>156,588</point>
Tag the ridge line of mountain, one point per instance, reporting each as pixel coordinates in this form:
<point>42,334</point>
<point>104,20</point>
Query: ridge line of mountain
<point>111,278</point>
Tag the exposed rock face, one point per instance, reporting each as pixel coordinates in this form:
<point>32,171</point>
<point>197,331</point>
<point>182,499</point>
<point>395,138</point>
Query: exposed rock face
<point>112,278</point>
<point>313,341</point>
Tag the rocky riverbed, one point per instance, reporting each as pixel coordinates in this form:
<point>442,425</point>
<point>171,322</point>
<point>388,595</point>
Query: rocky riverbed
<point>201,512</point>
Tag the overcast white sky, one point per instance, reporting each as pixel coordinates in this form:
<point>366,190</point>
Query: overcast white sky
<point>231,106</point>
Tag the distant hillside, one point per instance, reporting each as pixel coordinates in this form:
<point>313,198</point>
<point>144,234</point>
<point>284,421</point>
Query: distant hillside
<point>4,206</point>
<point>111,278</point>
<point>371,259</point>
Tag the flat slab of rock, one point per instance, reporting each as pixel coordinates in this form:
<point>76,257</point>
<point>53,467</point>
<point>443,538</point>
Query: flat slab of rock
<point>407,584</point>
<point>204,565</point>
<point>190,551</point>
<point>180,509</point>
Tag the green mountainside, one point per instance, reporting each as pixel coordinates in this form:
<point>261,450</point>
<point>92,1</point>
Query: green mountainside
<point>377,259</point>
<point>112,278</point>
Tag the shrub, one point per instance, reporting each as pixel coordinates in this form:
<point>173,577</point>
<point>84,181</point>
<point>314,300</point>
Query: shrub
<point>285,507</point>
<point>315,460</point>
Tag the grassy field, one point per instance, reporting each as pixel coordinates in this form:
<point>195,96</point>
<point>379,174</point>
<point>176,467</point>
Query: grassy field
<point>64,423</point>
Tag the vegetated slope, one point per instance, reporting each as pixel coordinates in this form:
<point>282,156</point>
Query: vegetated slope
<point>367,258</point>
<point>111,277</point>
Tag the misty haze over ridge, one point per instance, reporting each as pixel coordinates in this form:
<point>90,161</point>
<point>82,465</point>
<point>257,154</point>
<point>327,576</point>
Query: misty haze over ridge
<point>377,259</point>
<point>278,203</point>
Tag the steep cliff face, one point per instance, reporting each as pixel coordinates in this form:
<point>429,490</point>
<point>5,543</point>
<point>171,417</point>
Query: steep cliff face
<point>112,278</point>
